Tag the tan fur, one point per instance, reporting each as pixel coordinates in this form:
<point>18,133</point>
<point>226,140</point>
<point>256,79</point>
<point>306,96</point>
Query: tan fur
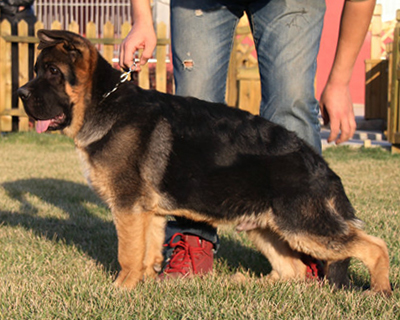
<point>286,263</point>
<point>373,253</point>
<point>132,232</point>
<point>78,112</point>
<point>80,95</point>
<point>97,177</point>
<point>154,241</point>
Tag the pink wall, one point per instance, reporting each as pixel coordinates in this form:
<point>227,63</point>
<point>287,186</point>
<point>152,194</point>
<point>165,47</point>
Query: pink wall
<point>327,53</point>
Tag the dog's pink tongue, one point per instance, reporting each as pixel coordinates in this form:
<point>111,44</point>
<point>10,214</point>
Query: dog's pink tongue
<point>42,125</point>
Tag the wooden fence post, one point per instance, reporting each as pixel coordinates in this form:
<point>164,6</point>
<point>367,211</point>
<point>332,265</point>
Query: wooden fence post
<point>56,25</point>
<point>5,76</point>
<point>38,26</point>
<point>161,55</point>
<point>376,76</point>
<point>23,62</point>
<point>243,83</point>
<point>73,27</point>
<point>108,49</point>
<point>376,33</point>
<point>91,30</point>
<point>389,52</point>
<point>144,75</point>
<point>231,94</point>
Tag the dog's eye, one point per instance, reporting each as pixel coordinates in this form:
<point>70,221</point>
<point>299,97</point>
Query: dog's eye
<point>53,70</point>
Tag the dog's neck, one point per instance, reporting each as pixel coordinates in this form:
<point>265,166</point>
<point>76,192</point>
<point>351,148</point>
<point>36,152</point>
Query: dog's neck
<point>101,88</point>
<point>109,77</point>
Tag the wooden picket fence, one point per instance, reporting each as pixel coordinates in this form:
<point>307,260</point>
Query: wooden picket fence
<point>393,127</point>
<point>106,45</point>
<point>243,87</point>
<point>382,90</point>
<point>243,82</point>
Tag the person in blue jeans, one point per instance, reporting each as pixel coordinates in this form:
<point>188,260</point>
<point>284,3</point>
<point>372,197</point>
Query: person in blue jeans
<point>287,35</point>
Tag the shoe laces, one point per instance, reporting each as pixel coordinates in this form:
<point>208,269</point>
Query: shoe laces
<point>183,256</point>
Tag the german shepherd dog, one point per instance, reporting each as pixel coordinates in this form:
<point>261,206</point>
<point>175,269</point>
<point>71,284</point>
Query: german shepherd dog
<point>149,155</point>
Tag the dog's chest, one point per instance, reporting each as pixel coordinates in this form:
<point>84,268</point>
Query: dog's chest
<point>97,179</point>
<point>85,166</point>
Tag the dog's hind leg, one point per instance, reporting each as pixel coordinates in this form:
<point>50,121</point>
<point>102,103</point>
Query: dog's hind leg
<point>286,263</point>
<point>373,253</point>
<point>154,243</point>
<point>131,232</point>
<point>336,273</point>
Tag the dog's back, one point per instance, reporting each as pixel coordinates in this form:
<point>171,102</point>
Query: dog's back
<point>226,163</point>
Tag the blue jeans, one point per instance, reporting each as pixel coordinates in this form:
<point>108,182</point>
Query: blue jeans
<point>287,35</point>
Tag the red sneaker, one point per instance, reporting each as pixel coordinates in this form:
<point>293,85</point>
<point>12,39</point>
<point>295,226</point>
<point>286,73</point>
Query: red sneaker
<point>191,255</point>
<point>315,269</point>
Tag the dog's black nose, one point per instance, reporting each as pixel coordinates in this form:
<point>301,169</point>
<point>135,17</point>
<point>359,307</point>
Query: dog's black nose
<point>23,93</point>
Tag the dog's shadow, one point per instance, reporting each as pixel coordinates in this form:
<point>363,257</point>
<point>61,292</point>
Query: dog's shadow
<point>80,226</point>
<point>87,224</point>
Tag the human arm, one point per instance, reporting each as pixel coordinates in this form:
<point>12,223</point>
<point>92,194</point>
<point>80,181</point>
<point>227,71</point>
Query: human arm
<point>335,103</point>
<point>141,36</point>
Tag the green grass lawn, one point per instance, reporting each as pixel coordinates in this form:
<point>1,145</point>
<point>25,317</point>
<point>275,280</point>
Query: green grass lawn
<point>58,248</point>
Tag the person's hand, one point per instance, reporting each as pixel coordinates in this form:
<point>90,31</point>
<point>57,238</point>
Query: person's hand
<point>141,36</point>
<point>337,109</point>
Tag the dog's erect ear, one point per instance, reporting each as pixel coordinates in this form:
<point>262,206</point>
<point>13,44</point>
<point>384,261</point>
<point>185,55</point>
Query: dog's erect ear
<point>50,38</point>
<point>72,42</point>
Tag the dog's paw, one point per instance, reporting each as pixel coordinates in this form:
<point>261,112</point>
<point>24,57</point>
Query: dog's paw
<point>272,277</point>
<point>126,280</point>
<point>238,277</point>
<point>157,268</point>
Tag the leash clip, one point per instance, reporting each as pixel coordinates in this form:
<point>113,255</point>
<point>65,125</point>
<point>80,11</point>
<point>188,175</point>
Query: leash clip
<point>123,78</point>
<point>126,74</point>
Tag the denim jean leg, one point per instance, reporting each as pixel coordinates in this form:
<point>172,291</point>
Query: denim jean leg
<point>202,38</point>
<point>202,34</point>
<point>287,35</point>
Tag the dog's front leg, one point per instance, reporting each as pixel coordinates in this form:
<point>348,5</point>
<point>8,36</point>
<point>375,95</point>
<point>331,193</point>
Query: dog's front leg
<point>131,232</point>
<point>154,244</point>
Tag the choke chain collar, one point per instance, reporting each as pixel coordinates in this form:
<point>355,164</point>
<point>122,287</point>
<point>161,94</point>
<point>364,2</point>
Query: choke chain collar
<point>124,76</point>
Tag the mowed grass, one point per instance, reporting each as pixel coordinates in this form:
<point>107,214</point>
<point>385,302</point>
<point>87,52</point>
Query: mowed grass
<point>58,248</point>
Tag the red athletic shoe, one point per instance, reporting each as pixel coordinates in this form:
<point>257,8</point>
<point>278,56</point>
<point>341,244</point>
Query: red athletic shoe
<point>315,269</point>
<point>191,255</point>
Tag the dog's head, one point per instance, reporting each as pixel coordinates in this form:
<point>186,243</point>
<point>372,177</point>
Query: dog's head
<point>57,97</point>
